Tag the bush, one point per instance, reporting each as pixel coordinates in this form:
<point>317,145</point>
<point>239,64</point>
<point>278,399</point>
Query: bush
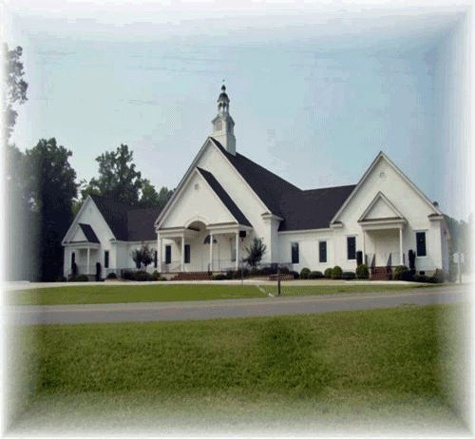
<point>111,276</point>
<point>128,275</point>
<point>294,274</point>
<point>82,278</point>
<point>143,276</point>
<point>362,271</point>
<point>315,275</point>
<point>400,272</point>
<point>348,275</point>
<point>284,270</point>
<point>439,276</point>
<point>328,273</point>
<point>421,278</point>
<point>336,272</point>
<point>219,276</point>
<point>304,272</point>
<point>61,279</point>
<point>156,275</point>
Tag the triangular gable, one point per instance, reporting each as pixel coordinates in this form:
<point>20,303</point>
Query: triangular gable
<point>78,235</point>
<point>80,219</point>
<point>198,198</point>
<point>379,157</point>
<point>229,158</point>
<point>380,209</point>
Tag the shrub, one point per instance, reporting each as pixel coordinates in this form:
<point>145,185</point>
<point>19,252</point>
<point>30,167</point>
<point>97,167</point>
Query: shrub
<point>400,272</point>
<point>336,272</point>
<point>362,272</point>
<point>328,273</point>
<point>421,278</point>
<point>82,278</point>
<point>143,276</point>
<point>439,276</point>
<point>304,272</point>
<point>284,270</point>
<point>61,279</point>
<point>111,276</point>
<point>294,274</point>
<point>219,276</point>
<point>315,275</point>
<point>128,275</point>
<point>348,275</point>
<point>156,275</point>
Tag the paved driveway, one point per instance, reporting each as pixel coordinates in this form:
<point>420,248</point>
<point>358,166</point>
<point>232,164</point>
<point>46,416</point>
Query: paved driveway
<point>215,309</point>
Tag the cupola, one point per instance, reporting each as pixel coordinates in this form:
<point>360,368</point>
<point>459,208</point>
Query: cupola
<point>223,124</point>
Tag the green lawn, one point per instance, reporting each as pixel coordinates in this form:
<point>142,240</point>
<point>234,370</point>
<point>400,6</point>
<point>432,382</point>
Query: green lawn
<point>329,368</point>
<point>159,292</point>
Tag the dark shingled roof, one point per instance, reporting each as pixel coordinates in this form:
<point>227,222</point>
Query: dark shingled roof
<point>89,233</point>
<point>128,223</point>
<point>269,187</point>
<point>313,209</point>
<point>224,197</point>
<point>301,210</point>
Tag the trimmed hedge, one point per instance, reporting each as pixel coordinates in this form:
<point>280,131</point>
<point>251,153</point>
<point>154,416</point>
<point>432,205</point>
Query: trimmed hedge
<point>362,271</point>
<point>328,273</point>
<point>315,275</point>
<point>337,272</point>
<point>111,276</point>
<point>219,276</point>
<point>304,272</point>
<point>348,275</point>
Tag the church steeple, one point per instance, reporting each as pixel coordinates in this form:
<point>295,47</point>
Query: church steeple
<point>223,124</point>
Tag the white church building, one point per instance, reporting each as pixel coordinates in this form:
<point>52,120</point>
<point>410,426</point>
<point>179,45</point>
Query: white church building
<point>224,200</point>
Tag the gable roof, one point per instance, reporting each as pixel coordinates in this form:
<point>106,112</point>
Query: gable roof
<point>380,198</point>
<point>224,197</point>
<point>300,209</point>
<point>269,187</point>
<point>312,209</point>
<point>127,223</point>
<point>382,156</point>
<point>89,233</point>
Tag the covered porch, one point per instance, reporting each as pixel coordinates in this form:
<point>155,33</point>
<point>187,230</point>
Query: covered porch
<point>84,258</point>
<point>383,246</point>
<point>200,247</point>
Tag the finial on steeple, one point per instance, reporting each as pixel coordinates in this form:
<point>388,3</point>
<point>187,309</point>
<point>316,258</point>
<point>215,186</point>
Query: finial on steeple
<point>223,124</point>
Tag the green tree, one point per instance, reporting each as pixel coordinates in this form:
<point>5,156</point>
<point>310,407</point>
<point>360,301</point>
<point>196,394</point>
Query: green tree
<point>118,177</point>
<point>143,255</point>
<point>255,252</point>
<point>51,188</point>
<point>150,197</point>
<point>15,87</point>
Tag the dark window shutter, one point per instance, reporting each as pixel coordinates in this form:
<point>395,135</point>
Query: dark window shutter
<point>322,251</point>
<point>351,247</point>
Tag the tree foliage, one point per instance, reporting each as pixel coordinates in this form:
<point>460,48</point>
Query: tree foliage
<point>15,87</point>
<point>118,177</point>
<point>143,255</point>
<point>120,180</point>
<point>255,252</point>
<point>51,188</point>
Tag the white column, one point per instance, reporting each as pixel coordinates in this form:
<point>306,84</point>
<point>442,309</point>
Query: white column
<point>364,246</point>
<point>88,257</point>
<point>211,251</point>
<point>400,248</point>
<point>160,254</point>
<point>237,251</point>
<point>183,252</point>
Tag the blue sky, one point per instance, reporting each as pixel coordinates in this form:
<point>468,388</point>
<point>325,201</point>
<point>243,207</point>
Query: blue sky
<point>317,89</point>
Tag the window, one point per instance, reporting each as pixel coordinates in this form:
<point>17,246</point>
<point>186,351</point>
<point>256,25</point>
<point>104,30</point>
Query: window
<point>351,247</point>
<point>155,259</point>
<point>106,259</point>
<point>187,253</point>
<point>322,251</point>
<point>295,252</point>
<point>421,243</point>
<point>168,254</point>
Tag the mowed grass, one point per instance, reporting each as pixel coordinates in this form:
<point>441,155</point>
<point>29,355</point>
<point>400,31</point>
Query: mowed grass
<point>346,365</point>
<point>82,294</point>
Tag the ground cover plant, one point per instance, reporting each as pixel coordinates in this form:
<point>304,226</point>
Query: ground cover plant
<point>82,294</point>
<point>329,368</point>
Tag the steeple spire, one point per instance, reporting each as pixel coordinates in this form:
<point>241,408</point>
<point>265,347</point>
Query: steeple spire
<point>223,123</point>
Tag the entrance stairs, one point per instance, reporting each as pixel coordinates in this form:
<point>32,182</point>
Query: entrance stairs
<point>381,273</point>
